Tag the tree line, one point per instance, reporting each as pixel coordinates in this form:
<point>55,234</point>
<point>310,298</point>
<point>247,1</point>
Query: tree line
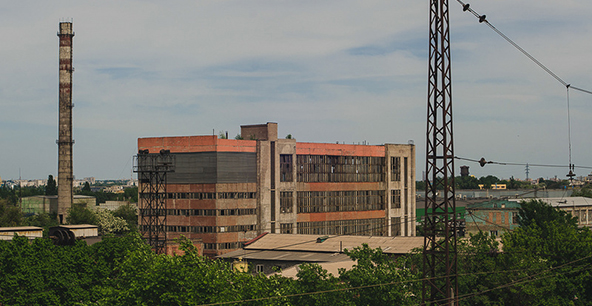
<point>546,261</point>
<point>471,182</point>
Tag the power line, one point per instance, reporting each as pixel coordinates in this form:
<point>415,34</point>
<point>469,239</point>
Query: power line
<point>483,162</point>
<point>483,19</point>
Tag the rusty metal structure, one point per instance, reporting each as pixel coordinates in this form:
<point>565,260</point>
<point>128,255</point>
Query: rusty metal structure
<point>152,172</point>
<point>65,141</point>
<point>440,286</point>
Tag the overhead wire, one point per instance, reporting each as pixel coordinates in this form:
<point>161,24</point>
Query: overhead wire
<point>483,19</point>
<point>516,164</point>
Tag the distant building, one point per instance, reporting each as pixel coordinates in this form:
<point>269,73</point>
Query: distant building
<point>270,252</point>
<point>580,207</point>
<point>229,191</point>
<point>49,204</point>
<point>31,232</point>
<point>494,217</point>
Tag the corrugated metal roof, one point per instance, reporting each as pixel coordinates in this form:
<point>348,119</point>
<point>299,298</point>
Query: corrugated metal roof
<point>334,244</point>
<point>78,226</point>
<point>20,228</point>
<point>286,256</point>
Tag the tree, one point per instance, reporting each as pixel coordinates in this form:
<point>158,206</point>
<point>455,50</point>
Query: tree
<point>466,182</point>
<point>110,224</point>
<point>549,239</point>
<point>129,213</point>
<point>78,214</point>
<point>489,180</point>
<point>10,215</point>
<point>373,267</point>
<point>51,187</point>
<point>45,220</point>
<point>86,187</point>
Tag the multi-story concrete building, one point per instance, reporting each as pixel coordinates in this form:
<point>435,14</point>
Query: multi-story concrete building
<point>228,191</point>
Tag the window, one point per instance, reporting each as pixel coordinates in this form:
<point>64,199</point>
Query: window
<point>286,168</point>
<point>396,198</point>
<point>286,202</point>
<point>396,226</point>
<point>286,228</point>
<point>335,168</point>
<point>395,168</point>
<point>493,233</point>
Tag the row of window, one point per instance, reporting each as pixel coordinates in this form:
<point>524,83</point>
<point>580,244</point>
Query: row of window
<point>223,246</point>
<point>329,201</point>
<point>327,168</point>
<point>360,227</point>
<point>286,228</point>
<point>201,212</point>
<point>206,195</point>
<point>210,229</point>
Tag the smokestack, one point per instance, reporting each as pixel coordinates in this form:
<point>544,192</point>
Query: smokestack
<point>65,142</point>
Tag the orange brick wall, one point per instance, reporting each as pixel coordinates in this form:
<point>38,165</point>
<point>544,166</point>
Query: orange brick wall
<point>309,148</point>
<point>189,144</point>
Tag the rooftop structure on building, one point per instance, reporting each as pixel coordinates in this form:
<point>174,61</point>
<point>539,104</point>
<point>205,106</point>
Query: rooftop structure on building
<point>228,191</point>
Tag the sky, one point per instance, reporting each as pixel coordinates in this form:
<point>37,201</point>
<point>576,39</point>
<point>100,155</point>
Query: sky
<point>326,71</point>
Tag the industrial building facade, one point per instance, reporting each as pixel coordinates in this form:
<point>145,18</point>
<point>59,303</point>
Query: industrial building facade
<point>227,192</point>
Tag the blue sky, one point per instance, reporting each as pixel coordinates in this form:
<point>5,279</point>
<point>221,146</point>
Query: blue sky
<point>325,71</point>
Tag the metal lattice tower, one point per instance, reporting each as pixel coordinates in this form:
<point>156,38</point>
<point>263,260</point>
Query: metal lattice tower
<point>65,142</point>
<point>152,172</point>
<point>440,286</point>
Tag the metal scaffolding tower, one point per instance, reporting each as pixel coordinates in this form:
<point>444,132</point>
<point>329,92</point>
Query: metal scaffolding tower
<point>440,285</point>
<point>152,172</point>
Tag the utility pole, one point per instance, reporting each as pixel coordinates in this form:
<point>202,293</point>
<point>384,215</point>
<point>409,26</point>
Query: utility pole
<point>440,286</point>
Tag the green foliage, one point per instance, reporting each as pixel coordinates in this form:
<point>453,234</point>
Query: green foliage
<point>238,137</point>
<point>129,213</point>
<point>130,194</point>
<point>544,262</point>
<point>78,214</point>
<point>110,224</point>
<point>10,214</point>
<point>86,187</point>
<point>384,281</point>
<point>289,136</point>
<point>489,180</point>
<point>466,182</point>
<point>45,220</point>
<point>549,240</point>
<point>584,191</point>
<point>540,213</point>
<point>420,185</point>
<point>100,196</point>
<point>51,188</point>
<point>9,195</point>
<point>556,184</point>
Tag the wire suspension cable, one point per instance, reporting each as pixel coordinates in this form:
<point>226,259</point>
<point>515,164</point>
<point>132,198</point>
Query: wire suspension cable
<point>483,19</point>
<point>516,164</point>
<point>568,127</point>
